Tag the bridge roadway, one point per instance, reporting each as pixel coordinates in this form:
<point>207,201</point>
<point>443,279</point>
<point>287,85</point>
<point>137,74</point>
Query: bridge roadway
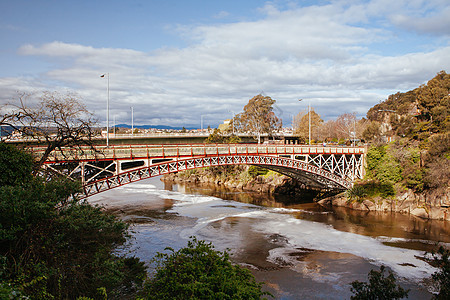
<point>104,168</point>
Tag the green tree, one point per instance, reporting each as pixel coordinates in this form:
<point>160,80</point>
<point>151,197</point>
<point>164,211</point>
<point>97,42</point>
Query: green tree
<point>200,272</point>
<point>216,137</point>
<point>15,166</point>
<point>379,287</point>
<point>54,246</point>
<point>441,278</point>
<point>258,117</point>
<point>434,101</point>
<point>382,165</point>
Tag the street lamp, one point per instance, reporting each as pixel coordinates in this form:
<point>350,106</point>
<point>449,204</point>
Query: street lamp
<point>132,122</point>
<point>232,120</point>
<point>201,122</point>
<point>309,120</point>
<point>107,109</point>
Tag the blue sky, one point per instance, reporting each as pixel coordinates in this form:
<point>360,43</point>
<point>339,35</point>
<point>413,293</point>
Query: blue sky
<point>175,61</point>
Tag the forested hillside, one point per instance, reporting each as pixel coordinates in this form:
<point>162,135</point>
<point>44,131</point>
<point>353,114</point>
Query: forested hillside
<point>409,145</point>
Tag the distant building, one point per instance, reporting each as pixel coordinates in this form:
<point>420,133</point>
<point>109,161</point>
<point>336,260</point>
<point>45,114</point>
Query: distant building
<point>225,125</point>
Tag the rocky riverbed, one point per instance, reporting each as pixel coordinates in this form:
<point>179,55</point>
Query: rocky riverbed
<point>425,205</point>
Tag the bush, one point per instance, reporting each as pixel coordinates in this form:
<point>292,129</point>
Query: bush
<point>200,272</point>
<point>53,247</point>
<point>378,287</point>
<point>441,278</point>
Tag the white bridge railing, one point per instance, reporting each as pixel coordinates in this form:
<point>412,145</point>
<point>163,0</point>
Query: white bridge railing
<point>164,151</point>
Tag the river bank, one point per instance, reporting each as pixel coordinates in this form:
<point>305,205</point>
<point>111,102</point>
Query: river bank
<point>425,205</point>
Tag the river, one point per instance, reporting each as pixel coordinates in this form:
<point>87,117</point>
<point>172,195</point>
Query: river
<point>300,250</point>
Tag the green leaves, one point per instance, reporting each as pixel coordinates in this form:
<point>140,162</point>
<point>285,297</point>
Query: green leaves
<point>379,287</point>
<point>200,272</point>
<point>441,279</point>
<point>53,246</point>
<point>15,166</point>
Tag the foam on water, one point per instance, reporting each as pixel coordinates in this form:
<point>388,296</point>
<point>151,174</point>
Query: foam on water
<point>318,236</point>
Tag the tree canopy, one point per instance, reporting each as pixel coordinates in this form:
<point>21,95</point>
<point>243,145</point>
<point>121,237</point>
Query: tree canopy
<point>53,246</point>
<point>258,117</point>
<point>301,125</point>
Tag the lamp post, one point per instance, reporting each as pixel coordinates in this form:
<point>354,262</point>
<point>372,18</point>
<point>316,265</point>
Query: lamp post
<point>114,126</point>
<point>232,120</point>
<point>132,122</point>
<point>107,109</point>
<point>201,122</point>
<point>309,121</point>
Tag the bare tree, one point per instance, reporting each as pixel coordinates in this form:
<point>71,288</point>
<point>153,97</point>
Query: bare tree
<point>346,125</point>
<point>53,119</point>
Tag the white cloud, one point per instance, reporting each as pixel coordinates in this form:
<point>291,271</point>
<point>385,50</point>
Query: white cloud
<point>320,53</point>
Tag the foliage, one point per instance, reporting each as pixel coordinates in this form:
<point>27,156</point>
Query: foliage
<point>381,165</point>
<point>54,246</point>
<point>379,287</point>
<point>256,171</point>
<point>258,117</point>
<point>437,162</point>
<point>200,272</point>
<point>434,101</point>
<point>22,162</point>
<point>356,193</point>
<point>372,132</point>
<point>370,189</point>
<point>301,125</point>
<point>217,137</point>
<point>419,113</point>
<point>441,278</point>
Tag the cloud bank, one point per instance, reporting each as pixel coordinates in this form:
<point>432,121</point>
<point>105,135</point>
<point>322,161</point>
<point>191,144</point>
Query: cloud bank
<point>343,56</point>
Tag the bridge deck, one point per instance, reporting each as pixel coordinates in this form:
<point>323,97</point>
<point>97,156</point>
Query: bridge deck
<point>124,152</point>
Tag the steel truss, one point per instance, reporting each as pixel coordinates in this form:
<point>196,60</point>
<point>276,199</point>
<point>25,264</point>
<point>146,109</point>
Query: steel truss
<point>333,172</point>
<point>324,168</point>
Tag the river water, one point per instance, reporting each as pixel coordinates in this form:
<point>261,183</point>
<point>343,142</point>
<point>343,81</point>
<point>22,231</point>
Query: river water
<point>300,250</point>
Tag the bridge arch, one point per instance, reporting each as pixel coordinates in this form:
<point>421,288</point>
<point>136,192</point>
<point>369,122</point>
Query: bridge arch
<point>315,177</point>
<point>104,168</point>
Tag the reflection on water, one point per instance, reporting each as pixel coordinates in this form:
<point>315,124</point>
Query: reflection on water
<point>301,250</point>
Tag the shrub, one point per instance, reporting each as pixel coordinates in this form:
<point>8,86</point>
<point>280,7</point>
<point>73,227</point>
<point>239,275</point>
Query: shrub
<point>200,272</point>
<point>52,247</point>
<point>441,278</point>
<point>379,287</point>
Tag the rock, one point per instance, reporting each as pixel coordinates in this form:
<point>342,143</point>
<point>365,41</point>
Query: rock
<point>420,212</point>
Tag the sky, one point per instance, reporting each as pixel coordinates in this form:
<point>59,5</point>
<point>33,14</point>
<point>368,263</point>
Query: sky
<point>177,62</point>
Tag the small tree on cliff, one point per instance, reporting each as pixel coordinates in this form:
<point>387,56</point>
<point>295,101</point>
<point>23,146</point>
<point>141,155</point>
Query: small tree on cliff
<point>258,117</point>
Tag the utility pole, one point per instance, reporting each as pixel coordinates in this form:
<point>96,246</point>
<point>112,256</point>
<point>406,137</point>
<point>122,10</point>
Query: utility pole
<point>309,121</point>
<point>107,109</point>
<point>132,122</point>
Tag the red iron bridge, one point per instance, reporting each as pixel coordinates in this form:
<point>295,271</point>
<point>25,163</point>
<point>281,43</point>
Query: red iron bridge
<point>104,168</point>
